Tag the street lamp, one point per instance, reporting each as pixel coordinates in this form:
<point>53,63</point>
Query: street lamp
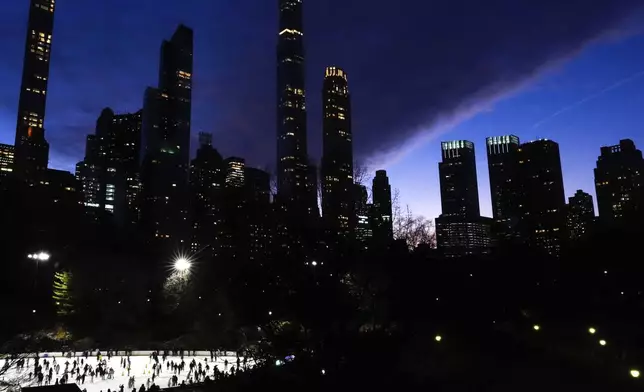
<point>38,257</point>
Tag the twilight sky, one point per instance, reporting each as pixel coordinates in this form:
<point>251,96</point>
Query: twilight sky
<point>420,71</point>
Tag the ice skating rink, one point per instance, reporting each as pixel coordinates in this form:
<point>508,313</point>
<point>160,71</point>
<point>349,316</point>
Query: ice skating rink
<point>141,369</point>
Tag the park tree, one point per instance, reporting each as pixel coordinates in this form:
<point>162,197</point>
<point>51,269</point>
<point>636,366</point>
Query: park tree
<point>62,294</point>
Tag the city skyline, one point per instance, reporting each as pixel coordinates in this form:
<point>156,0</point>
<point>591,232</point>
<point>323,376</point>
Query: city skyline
<point>422,196</point>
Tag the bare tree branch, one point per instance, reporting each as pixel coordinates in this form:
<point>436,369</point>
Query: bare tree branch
<point>415,230</point>
<point>361,176</point>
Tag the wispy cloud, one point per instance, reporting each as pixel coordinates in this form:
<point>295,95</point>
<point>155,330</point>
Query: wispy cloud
<point>591,97</point>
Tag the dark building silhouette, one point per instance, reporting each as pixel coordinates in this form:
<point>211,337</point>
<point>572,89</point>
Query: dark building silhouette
<point>381,212</point>
<point>292,158</point>
<point>31,147</point>
<point>312,209</point>
<point>460,230</point>
<point>109,174</point>
<point>457,237</point>
<point>236,232</point>
<point>337,157</point>
<point>502,166</point>
<point>458,182</point>
<point>258,213</point>
<point>166,143</point>
<point>619,181</point>
<point>580,215</point>
<point>6,159</point>
<point>362,208</point>
<point>43,213</point>
<point>541,198</point>
<point>207,181</point>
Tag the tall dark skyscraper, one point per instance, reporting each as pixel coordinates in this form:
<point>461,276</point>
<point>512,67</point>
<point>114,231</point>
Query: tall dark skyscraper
<point>207,181</point>
<point>580,214</point>
<point>31,147</point>
<point>382,211</point>
<point>337,155</point>
<point>541,199</point>
<point>502,165</point>
<point>257,197</point>
<point>458,182</point>
<point>292,159</point>
<point>110,171</point>
<point>619,181</point>
<point>460,230</point>
<point>166,142</point>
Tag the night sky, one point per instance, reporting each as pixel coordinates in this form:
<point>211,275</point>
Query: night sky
<point>420,71</point>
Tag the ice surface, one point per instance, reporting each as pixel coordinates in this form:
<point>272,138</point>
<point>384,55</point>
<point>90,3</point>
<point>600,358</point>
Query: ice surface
<point>141,369</point>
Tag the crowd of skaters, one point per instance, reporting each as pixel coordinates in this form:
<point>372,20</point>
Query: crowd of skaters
<point>80,370</point>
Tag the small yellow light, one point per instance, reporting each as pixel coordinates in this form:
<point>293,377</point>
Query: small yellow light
<point>536,327</point>
<point>602,342</point>
<point>635,373</point>
<point>438,338</point>
<point>592,330</point>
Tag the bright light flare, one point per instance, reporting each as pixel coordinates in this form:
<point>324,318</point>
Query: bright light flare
<point>536,327</point>
<point>635,373</point>
<point>438,338</point>
<point>592,330</point>
<point>40,256</point>
<point>182,264</point>
<point>602,342</point>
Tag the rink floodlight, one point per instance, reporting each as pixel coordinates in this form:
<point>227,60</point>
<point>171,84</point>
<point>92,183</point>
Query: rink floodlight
<point>182,264</point>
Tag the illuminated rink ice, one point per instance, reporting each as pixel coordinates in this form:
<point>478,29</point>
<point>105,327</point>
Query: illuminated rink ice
<point>141,369</point>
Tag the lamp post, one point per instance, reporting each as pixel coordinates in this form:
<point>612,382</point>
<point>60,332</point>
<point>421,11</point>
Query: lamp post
<point>38,257</point>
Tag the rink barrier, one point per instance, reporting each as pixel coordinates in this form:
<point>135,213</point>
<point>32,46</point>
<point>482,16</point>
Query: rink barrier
<point>121,353</point>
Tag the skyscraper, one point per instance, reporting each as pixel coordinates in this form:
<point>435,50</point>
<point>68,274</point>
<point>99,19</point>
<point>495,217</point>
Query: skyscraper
<point>382,211</point>
<point>362,209</point>
<point>31,147</point>
<point>502,165</point>
<point>541,198</point>
<point>166,142</point>
<point>458,182</point>
<point>580,214</point>
<point>109,173</point>
<point>234,172</point>
<point>337,156</point>
<point>258,213</point>
<point>460,229</point>
<point>207,179</point>
<point>292,159</point>
<point>619,181</point>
